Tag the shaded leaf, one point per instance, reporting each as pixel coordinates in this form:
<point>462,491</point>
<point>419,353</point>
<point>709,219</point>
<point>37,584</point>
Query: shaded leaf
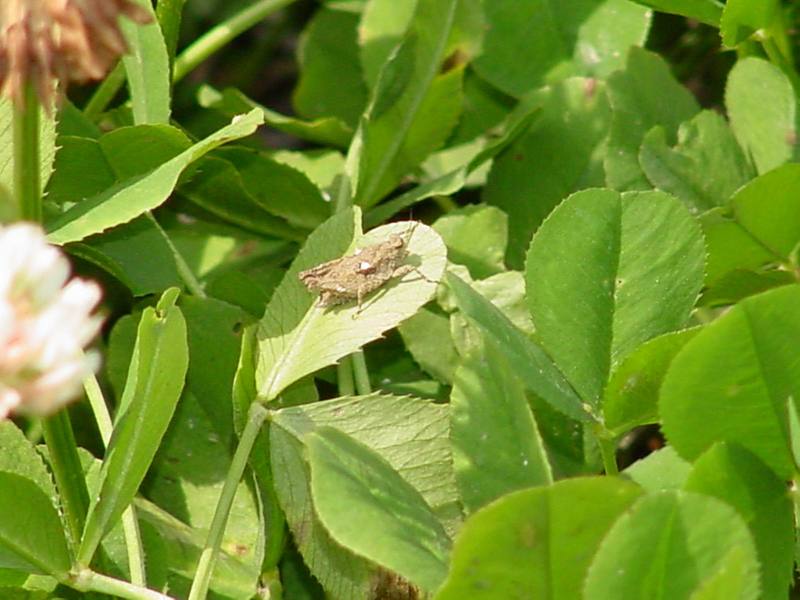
<point>356,493</point>
<point>330,83</point>
<point>413,109</point>
<point>533,42</point>
<point>631,397</point>
<point>705,11</point>
<point>705,145</point>
<point>496,443</point>
<point>672,544</point>
<point>539,373</point>
<point>559,154</point>
<point>642,96</point>
<point>535,543</point>
<point>737,477</point>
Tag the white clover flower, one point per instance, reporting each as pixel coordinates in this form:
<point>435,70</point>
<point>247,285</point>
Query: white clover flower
<point>46,321</point>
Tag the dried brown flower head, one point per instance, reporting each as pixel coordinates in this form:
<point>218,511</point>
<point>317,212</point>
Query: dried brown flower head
<point>46,40</point>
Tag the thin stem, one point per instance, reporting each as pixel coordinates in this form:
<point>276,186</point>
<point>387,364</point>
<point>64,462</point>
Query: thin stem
<point>99,408</point>
<point>130,525</point>
<point>186,273</point>
<point>134,547</point>
<point>217,37</point>
<point>105,92</point>
<point>608,450</point>
<point>363,386</point>
<point>67,471</point>
<point>344,377</point>
<point>27,178</point>
<point>89,581</point>
<point>205,567</point>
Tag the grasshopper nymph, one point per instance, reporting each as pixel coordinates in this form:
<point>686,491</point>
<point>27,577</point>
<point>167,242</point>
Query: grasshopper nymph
<point>354,276</point>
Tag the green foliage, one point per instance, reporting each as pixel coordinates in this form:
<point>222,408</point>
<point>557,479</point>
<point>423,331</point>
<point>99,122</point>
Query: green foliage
<point>599,215</point>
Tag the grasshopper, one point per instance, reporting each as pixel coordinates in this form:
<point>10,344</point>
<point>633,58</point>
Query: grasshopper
<point>356,275</point>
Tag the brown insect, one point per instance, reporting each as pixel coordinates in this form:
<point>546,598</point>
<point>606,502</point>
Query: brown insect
<point>356,275</point>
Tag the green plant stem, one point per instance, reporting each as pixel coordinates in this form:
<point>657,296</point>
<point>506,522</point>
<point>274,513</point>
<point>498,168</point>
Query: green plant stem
<point>363,386</point>
<point>67,471</point>
<point>27,177</point>
<point>344,377</point>
<point>256,416</point>
<point>89,581</point>
<point>130,525</point>
<point>186,273</point>
<point>105,92</point>
<point>217,37</point>
<point>608,450</point>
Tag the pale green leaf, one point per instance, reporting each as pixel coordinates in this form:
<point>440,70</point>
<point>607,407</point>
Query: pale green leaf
<point>409,433</point>
<point>743,18</point>
<point>297,336</point>
<point>329,131</point>
<point>762,107</point>
<point>147,66</point>
<point>539,374</point>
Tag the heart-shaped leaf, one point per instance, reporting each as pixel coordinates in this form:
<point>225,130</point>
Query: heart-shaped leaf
<point>598,285</point>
